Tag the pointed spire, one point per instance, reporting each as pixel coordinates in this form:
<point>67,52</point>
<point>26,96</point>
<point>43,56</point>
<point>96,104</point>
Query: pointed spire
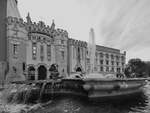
<point>53,25</point>
<point>28,18</point>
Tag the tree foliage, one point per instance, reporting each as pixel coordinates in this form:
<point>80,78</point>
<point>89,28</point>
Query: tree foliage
<point>148,68</point>
<point>136,68</point>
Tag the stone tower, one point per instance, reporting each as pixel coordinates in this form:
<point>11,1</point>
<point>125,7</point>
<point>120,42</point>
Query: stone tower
<point>7,8</point>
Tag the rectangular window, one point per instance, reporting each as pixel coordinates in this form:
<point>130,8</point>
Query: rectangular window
<point>15,47</point>
<point>107,69</point>
<point>42,52</point>
<point>62,41</point>
<point>107,56</point>
<point>117,63</point>
<point>34,50</point>
<point>101,55</point>
<point>112,57</point>
<point>107,62</point>
<point>48,52</point>
<point>101,61</point>
<point>122,58</point>
<point>102,69</point>
<point>112,62</point>
<point>112,69</point>
<point>117,57</point>
<point>63,55</point>
<point>118,70</point>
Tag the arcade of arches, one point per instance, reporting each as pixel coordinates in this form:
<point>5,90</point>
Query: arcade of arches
<point>41,73</point>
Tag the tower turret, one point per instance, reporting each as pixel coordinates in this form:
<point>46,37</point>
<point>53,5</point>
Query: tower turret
<point>28,18</point>
<point>53,25</point>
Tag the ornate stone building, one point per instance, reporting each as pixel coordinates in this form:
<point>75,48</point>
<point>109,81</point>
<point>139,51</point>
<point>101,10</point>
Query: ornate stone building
<point>34,47</point>
<point>29,50</point>
<point>77,55</point>
<point>108,60</point>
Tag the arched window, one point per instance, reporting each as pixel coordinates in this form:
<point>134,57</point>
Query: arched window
<point>31,73</point>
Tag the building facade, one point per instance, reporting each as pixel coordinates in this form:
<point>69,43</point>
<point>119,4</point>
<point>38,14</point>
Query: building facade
<point>31,50</point>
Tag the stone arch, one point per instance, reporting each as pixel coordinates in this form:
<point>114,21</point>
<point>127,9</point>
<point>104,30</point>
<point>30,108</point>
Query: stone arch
<point>78,69</point>
<point>53,71</point>
<point>42,64</point>
<point>42,72</point>
<point>31,73</point>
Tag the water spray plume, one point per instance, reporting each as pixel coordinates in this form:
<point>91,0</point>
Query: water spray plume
<point>91,49</point>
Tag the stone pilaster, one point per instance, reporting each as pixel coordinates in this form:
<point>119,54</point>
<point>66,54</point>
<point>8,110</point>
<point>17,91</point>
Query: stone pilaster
<point>36,73</point>
<point>48,74</point>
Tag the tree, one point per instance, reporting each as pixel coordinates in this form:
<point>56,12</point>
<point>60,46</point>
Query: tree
<point>136,68</point>
<point>148,68</point>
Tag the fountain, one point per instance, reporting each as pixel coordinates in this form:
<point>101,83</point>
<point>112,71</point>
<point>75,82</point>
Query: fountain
<point>103,87</point>
<point>91,54</point>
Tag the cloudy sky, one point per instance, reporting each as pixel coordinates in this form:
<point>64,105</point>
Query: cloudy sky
<point>122,24</point>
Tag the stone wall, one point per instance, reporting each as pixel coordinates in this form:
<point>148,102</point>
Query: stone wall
<point>16,47</point>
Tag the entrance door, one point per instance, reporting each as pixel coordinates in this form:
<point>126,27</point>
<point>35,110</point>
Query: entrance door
<point>42,73</point>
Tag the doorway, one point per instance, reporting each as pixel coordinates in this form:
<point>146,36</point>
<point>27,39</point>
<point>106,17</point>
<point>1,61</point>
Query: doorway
<point>42,73</point>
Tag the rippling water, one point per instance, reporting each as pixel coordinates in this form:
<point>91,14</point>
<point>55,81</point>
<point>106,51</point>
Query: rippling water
<point>76,105</point>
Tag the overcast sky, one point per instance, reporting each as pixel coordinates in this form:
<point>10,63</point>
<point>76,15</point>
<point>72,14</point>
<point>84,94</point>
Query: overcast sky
<point>121,24</point>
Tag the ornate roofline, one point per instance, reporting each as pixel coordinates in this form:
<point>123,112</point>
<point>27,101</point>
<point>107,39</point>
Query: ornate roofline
<point>77,42</point>
<point>39,27</point>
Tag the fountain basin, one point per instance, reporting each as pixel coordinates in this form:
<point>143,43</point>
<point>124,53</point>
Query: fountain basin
<point>89,88</point>
<point>113,89</point>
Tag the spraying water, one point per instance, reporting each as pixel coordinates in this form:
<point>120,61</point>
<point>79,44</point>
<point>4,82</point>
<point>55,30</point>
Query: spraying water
<point>91,49</point>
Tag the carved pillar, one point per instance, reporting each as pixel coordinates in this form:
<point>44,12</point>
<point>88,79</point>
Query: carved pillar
<point>48,73</point>
<point>36,73</point>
